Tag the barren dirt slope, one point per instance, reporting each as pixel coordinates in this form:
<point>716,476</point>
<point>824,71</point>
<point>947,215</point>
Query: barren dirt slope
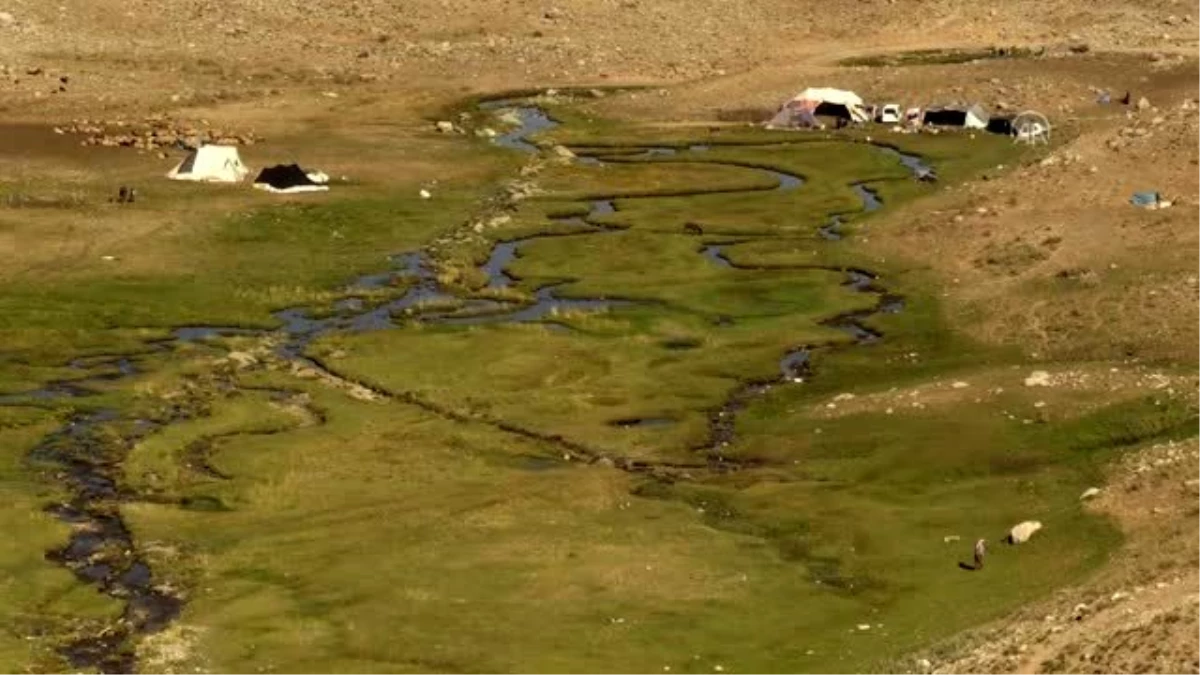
<point>146,50</point>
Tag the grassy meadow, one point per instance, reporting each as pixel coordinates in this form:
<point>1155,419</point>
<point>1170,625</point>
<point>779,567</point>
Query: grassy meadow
<point>443,527</point>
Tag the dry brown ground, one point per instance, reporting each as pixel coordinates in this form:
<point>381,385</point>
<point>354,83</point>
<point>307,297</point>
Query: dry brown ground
<point>1048,257</point>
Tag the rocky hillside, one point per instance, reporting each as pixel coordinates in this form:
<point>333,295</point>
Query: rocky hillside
<point>87,52</point>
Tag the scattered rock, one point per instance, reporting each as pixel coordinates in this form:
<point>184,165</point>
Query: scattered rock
<point>153,133</point>
<point>242,359</point>
<point>1038,378</point>
<point>1021,533</point>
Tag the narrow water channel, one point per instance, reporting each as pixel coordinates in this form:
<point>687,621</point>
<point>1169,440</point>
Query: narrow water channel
<point>85,455</point>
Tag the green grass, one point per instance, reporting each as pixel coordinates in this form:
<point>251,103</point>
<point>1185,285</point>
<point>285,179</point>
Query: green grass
<point>41,601</point>
<point>158,466</point>
<point>254,263</point>
<point>383,536</point>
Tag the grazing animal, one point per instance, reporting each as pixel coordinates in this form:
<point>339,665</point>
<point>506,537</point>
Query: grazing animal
<point>126,195</point>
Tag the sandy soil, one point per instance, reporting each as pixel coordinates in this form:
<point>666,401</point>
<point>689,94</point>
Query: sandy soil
<point>1049,256</point>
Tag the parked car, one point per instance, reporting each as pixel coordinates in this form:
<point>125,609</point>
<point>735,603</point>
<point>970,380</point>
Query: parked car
<point>889,114</point>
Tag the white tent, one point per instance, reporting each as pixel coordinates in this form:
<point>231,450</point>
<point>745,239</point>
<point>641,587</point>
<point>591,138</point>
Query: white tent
<point>821,99</point>
<point>830,95</point>
<point>977,117</point>
<point>211,163</point>
<point>803,107</point>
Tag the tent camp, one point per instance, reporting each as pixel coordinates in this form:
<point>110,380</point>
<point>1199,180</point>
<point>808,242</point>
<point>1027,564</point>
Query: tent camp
<point>803,109</point>
<point>211,163</point>
<point>289,178</point>
<point>971,117</point>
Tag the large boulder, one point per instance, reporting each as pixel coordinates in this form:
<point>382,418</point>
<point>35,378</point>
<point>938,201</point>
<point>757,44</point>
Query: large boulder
<point>1021,533</point>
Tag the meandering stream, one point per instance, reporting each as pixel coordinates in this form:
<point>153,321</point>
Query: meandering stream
<point>86,454</point>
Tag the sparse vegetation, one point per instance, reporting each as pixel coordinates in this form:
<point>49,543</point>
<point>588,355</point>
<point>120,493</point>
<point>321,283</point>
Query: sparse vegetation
<point>923,57</point>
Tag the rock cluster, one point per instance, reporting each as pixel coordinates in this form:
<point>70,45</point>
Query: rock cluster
<point>154,133</point>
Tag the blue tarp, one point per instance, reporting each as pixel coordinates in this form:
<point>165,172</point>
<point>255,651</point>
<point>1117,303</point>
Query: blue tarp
<point>1144,198</point>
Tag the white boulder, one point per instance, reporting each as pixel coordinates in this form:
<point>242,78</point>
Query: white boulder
<point>1038,378</point>
<point>1021,533</point>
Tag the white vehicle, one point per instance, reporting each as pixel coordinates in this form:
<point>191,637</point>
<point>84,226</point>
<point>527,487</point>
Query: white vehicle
<point>889,114</point>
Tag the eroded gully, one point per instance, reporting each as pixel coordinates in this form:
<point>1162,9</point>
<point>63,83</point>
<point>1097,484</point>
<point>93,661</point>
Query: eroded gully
<point>86,454</point>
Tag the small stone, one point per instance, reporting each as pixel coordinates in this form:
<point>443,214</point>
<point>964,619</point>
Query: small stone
<point>864,626</point>
<point>960,385</point>
<point>1143,103</point>
<point>425,194</point>
<point>445,126</point>
<point>1089,493</point>
<point>1038,378</point>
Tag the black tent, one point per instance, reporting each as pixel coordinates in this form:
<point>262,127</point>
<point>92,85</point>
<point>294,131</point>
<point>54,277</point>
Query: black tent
<point>1000,125</point>
<point>284,176</point>
<point>945,117</point>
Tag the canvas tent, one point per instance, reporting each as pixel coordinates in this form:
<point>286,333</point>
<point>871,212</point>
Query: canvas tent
<point>289,178</point>
<point>211,163</point>
<point>971,117</point>
<point>804,107</point>
<point>1001,125</point>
